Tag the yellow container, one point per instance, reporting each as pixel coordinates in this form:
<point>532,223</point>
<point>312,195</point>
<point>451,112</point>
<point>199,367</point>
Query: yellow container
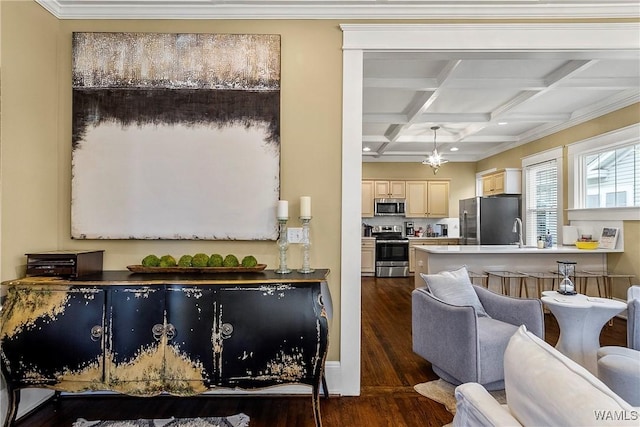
<point>587,245</point>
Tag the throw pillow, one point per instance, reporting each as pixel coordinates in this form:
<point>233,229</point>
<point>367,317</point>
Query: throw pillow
<point>455,288</point>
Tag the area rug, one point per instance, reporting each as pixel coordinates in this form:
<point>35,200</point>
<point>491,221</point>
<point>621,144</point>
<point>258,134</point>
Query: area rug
<point>239,420</point>
<point>443,392</point>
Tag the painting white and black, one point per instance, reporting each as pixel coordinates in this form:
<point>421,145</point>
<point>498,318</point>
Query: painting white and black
<point>175,136</point>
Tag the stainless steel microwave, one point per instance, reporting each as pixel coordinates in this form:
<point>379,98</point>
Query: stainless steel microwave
<point>383,207</point>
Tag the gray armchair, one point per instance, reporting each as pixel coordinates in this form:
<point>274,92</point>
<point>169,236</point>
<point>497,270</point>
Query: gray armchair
<point>463,347</point>
<point>619,367</point>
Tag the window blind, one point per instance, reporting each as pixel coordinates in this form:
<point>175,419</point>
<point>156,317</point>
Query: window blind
<point>612,177</point>
<point>541,202</point>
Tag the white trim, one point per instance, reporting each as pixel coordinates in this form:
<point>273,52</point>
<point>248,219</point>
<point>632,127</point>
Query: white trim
<point>350,259</point>
<point>499,38</point>
<point>338,9</point>
<point>609,140</point>
<point>622,136</point>
<point>619,214</point>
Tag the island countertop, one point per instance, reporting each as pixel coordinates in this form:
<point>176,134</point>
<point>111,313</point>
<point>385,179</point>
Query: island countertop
<point>508,249</point>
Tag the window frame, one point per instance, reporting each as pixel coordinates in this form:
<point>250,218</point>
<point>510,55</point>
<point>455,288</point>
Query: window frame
<point>576,175</point>
<point>542,157</point>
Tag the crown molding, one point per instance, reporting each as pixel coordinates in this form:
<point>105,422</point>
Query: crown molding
<point>339,9</point>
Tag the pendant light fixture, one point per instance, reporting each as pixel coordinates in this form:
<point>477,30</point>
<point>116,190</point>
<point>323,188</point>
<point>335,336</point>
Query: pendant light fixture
<point>434,160</point>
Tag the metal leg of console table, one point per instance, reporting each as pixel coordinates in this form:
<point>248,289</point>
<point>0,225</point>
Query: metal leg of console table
<point>324,387</point>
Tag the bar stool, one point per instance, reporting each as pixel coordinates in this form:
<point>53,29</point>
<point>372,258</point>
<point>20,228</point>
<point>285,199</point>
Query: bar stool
<point>582,281</point>
<point>607,279</point>
<point>484,279</point>
<point>540,277</point>
<point>505,280</point>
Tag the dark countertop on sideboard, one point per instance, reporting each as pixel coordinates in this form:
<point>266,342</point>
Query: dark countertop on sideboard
<point>125,277</point>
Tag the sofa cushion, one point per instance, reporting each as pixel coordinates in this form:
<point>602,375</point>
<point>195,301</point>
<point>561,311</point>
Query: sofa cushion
<point>455,288</point>
<point>544,387</point>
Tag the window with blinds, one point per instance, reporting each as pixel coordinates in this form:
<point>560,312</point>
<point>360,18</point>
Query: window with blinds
<point>611,177</point>
<point>541,202</point>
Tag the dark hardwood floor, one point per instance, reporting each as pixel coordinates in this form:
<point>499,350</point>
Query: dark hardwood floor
<point>389,371</point>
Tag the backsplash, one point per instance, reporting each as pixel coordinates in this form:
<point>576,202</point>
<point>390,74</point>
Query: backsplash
<point>453,223</point>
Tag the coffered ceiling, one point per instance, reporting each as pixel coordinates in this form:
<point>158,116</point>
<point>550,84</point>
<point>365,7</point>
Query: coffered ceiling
<point>487,103</point>
<point>483,103</point>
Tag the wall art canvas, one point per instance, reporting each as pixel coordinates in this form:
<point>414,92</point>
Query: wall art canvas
<point>175,136</point>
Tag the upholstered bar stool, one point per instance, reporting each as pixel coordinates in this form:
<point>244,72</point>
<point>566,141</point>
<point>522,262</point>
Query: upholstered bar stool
<point>484,278</point>
<point>505,280</point>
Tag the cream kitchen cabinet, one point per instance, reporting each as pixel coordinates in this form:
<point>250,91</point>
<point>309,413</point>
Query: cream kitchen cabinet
<point>413,242</point>
<point>427,199</point>
<point>504,181</point>
<point>389,190</point>
<point>367,199</point>
<point>368,262</point>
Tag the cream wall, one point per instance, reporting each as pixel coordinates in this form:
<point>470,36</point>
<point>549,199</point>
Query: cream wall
<point>462,177</point>
<point>36,139</point>
<point>29,153</point>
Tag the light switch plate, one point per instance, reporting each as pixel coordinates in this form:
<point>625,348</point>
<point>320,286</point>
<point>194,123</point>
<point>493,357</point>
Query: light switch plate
<point>294,235</point>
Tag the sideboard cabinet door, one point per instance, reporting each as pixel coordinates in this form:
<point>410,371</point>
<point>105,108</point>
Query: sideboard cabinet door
<point>53,336</point>
<point>135,356</point>
<point>270,335</point>
<point>161,340</point>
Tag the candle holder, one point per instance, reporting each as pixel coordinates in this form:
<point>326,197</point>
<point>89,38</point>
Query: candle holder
<point>283,245</point>
<point>306,246</point>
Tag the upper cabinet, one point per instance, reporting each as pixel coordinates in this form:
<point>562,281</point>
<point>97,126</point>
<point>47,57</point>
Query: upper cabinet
<point>367,199</point>
<point>427,199</point>
<point>503,181</point>
<point>389,190</point>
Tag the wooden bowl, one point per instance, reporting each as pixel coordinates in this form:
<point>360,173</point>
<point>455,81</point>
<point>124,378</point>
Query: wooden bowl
<point>587,245</point>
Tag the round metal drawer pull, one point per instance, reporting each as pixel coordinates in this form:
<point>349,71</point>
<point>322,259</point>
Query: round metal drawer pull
<point>226,330</point>
<point>170,330</point>
<point>96,333</point>
<point>157,331</point>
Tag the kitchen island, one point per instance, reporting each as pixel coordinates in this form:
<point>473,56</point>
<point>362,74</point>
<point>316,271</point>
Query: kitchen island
<point>480,258</point>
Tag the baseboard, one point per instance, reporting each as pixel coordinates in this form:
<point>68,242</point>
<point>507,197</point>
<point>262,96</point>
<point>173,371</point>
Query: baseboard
<point>31,398</point>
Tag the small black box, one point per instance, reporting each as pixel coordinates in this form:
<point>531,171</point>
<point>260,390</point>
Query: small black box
<point>64,263</point>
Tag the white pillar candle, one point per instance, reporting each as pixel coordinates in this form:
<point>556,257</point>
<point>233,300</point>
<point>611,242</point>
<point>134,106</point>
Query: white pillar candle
<point>305,207</point>
<point>283,209</point>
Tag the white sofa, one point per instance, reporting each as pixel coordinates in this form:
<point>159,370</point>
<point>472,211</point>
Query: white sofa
<point>543,388</point>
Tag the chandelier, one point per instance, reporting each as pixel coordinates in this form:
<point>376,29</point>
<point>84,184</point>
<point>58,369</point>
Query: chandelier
<point>434,160</point>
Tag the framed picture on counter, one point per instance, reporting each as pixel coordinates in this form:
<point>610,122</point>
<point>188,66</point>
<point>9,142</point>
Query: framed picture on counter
<point>609,238</point>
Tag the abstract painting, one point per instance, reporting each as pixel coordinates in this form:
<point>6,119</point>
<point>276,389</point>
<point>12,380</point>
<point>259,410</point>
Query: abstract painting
<point>175,136</point>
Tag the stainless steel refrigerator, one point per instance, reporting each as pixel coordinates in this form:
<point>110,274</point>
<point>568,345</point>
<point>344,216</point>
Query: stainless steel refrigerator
<point>489,220</point>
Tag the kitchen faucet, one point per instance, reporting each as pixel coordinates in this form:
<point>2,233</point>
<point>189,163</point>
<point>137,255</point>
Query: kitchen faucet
<point>518,223</point>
